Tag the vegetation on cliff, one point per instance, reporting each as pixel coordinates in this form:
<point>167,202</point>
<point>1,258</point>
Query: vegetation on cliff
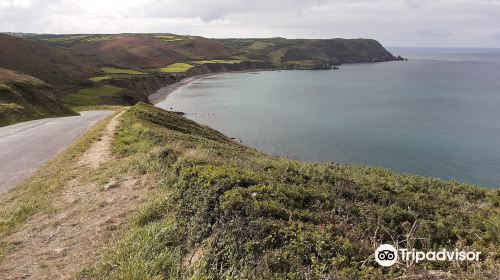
<point>83,62</point>
<point>225,211</point>
<point>24,98</point>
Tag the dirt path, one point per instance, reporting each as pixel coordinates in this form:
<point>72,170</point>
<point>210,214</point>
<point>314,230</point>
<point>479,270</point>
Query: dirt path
<point>100,151</point>
<point>85,218</point>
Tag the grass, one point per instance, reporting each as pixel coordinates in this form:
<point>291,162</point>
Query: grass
<point>78,38</point>
<point>112,70</point>
<point>176,68</point>
<point>91,96</point>
<point>11,113</point>
<point>259,45</point>
<point>254,216</point>
<point>100,78</point>
<point>24,98</point>
<point>169,38</point>
<point>97,107</point>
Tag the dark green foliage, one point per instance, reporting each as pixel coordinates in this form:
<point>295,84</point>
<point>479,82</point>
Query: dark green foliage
<point>259,217</point>
<point>309,53</point>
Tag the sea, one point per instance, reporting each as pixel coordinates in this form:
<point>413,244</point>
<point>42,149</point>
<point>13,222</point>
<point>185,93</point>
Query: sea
<point>435,115</point>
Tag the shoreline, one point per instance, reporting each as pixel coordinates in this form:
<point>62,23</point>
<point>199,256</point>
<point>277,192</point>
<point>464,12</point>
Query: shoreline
<point>162,94</point>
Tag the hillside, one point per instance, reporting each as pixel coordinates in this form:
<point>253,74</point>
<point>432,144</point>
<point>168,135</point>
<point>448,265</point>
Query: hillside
<point>140,51</point>
<point>83,67</point>
<point>310,54</point>
<point>229,212</point>
<point>62,68</point>
<point>157,50</point>
<point>23,98</point>
<point>162,197</point>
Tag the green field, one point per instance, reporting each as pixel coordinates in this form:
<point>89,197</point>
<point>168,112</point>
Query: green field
<point>169,38</point>
<point>176,68</point>
<point>259,45</point>
<point>100,78</point>
<point>91,96</point>
<point>112,70</point>
<point>78,38</point>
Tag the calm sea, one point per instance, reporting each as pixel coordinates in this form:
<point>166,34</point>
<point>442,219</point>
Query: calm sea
<point>436,115</point>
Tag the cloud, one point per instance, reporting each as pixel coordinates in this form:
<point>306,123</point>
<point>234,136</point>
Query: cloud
<point>393,22</point>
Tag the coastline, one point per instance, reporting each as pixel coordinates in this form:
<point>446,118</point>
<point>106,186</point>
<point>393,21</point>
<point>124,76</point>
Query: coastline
<point>162,94</point>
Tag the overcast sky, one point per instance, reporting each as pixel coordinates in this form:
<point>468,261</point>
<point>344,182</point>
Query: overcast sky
<point>434,23</point>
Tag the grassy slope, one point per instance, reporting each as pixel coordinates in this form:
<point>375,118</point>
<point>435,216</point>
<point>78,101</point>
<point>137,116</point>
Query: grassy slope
<point>176,68</point>
<point>307,54</point>
<point>74,62</point>
<point>158,50</point>
<point>240,214</point>
<point>91,96</point>
<point>23,98</point>
<point>62,68</point>
<point>111,70</point>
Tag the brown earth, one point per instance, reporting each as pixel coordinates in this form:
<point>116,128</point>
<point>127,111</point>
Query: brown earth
<point>132,51</point>
<point>202,48</point>
<point>59,67</point>
<point>84,218</point>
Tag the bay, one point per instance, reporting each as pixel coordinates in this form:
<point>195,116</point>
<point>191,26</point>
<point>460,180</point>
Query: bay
<point>436,115</point>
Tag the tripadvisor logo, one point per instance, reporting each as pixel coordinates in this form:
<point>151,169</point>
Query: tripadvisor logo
<point>386,255</point>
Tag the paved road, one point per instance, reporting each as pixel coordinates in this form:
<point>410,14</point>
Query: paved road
<point>25,147</point>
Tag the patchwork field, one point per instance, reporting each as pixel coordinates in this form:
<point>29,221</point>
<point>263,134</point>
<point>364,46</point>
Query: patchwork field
<point>259,45</point>
<point>91,96</point>
<point>169,38</point>
<point>176,68</point>
<point>78,38</point>
<point>112,70</point>
<point>100,78</point>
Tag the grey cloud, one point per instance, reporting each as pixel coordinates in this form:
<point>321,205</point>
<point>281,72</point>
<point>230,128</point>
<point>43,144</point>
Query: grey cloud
<point>219,9</point>
<point>393,22</point>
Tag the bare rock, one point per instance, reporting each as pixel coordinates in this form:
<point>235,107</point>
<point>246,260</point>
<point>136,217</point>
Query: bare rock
<point>111,185</point>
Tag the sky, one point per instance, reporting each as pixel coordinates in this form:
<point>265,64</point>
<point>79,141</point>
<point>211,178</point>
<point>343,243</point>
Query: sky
<point>418,23</point>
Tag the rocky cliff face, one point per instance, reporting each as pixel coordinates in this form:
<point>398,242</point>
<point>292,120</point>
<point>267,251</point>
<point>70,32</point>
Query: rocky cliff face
<point>140,87</point>
<point>145,85</point>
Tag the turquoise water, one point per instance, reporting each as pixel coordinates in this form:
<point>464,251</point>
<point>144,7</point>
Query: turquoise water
<point>436,115</point>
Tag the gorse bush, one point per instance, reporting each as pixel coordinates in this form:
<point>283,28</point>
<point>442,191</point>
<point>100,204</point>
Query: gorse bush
<point>229,212</point>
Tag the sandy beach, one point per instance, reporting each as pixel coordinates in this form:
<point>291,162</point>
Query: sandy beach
<point>164,92</point>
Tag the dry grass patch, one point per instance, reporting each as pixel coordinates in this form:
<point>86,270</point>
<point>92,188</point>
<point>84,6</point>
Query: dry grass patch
<point>62,218</point>
<point>176,68</point>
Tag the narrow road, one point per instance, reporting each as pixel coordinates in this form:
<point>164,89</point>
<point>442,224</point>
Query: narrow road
<point>25,147</point>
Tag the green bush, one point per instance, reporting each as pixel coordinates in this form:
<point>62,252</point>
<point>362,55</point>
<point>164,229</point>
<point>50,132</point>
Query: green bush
<point>254,216</point>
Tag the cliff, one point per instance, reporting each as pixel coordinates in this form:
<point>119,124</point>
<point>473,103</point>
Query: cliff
<point>225,211</point>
